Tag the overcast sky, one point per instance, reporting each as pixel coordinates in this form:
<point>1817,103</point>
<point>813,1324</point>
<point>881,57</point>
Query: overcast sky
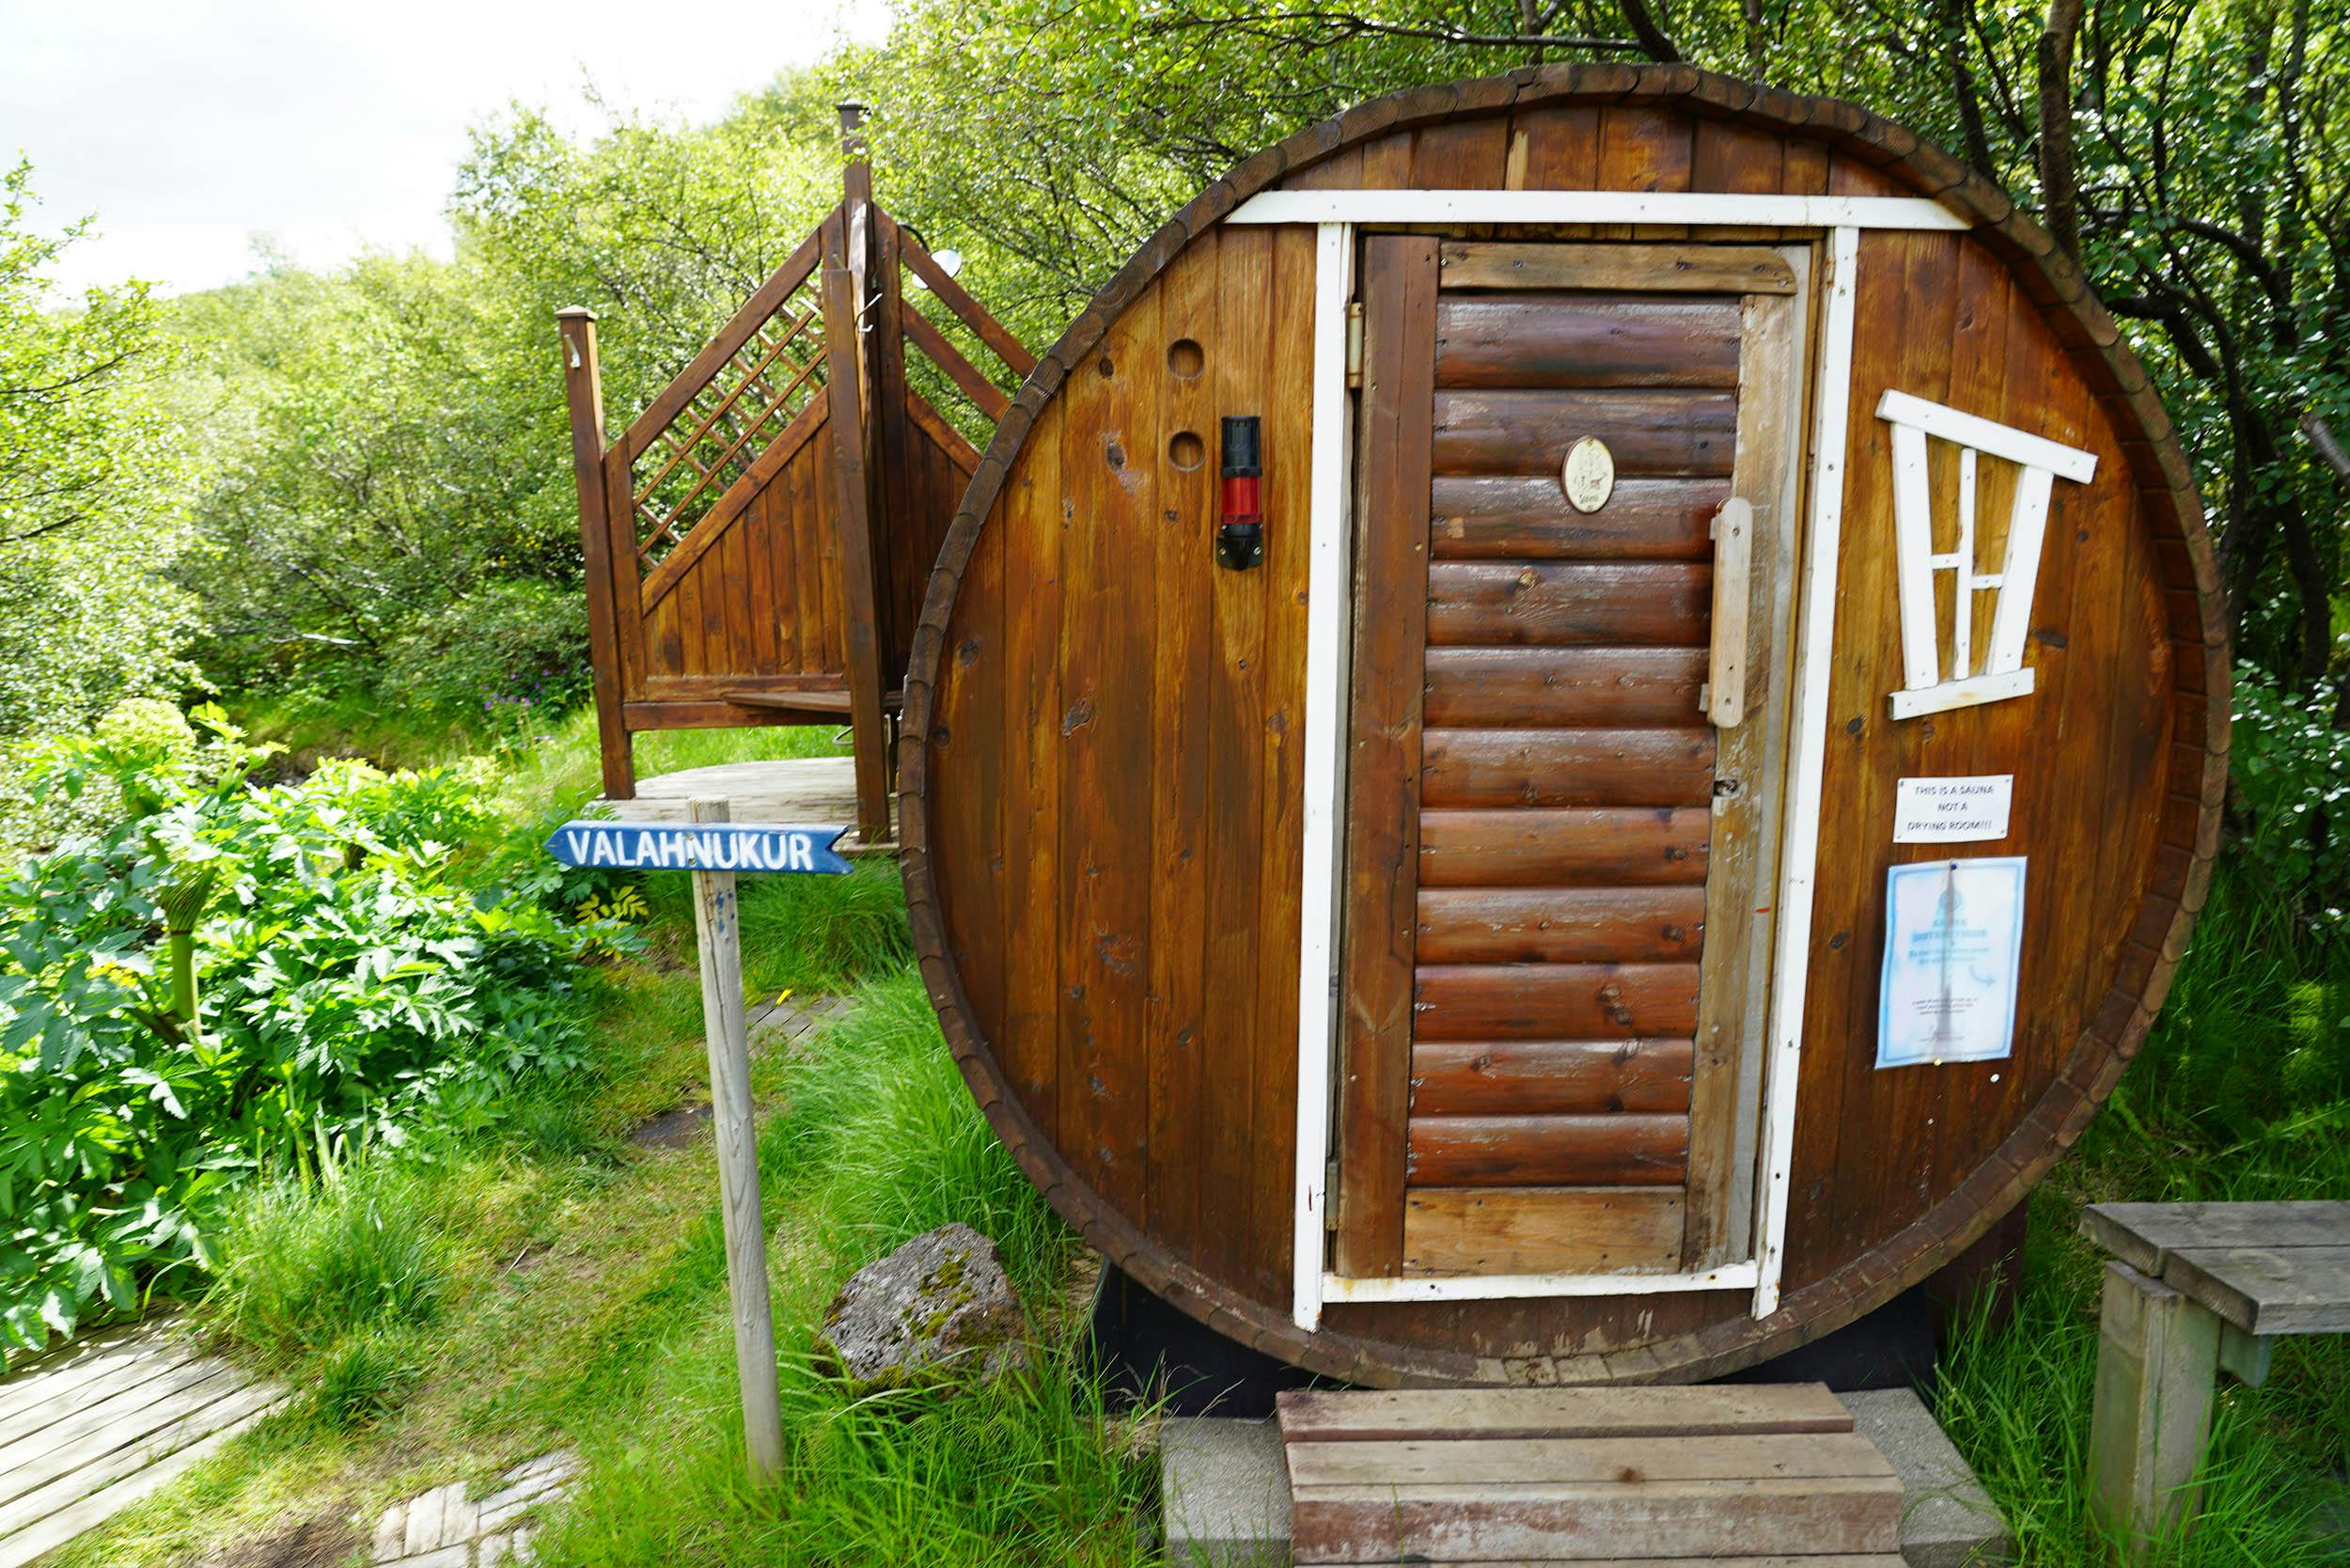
<point>189,127</point>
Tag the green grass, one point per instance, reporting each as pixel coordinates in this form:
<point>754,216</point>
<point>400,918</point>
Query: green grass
<point>303,1266</point>
<point>2242,1092</point>
<point>446,1313</point>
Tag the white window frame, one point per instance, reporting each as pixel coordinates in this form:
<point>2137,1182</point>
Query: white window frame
<point>2041,462</point>
<point>1337,215</point>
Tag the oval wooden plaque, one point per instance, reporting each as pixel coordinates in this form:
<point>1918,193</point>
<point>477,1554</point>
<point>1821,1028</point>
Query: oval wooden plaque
<point>1589,474</point>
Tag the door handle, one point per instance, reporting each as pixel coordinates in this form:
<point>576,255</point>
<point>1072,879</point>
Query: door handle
<point>1725,696</point>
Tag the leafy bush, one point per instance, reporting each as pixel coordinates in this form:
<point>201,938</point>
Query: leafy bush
<point>2292,779</point>
<point>356,991</point>
<point>508,658</point>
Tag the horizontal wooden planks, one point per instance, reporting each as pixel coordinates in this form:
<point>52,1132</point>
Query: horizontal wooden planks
<point>1567,767</point>
<point>1705,268</point>
<point>1570,603</point>
<point>1538,1076</point>
<point>2284,1290</point>
<point>1521,1461</point>
<point>1547,1001</point>
<point>1474,1523</point>
<point>1617,1148</point>
<point>1567,340</point>
<point>1528,431</point>
<point>1513,517</point>
<point>1621,846</point>
<point>2144,1235</point>
<point>1560,925</point>
<point>1582,1475</point>
<point>1506,687</point>
<point>1666,1411</point>
<point>1455,1231</point>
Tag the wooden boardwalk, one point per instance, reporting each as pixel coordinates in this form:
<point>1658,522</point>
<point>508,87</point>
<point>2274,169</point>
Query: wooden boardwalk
<point>89,1430</point>
<point>790,790</point>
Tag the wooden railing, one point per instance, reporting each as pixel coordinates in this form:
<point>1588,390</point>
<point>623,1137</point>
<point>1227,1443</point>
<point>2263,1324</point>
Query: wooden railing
<point>818,351</point>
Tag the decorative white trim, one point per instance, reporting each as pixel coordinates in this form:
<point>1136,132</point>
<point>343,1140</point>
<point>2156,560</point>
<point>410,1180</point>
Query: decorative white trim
<point>1703,209</point>
<point>1329,591</point>
<point>1988,435</point>
<point>2041,462</point>
<point>1489,1287</point>
<point>1944,695</point>
<point>1800,849</point>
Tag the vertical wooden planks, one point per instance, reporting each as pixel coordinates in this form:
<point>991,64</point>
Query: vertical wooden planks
<point>1030,516</point>
<point>1393,459</point>
<point>1643,149</point>
<point>1229,715</point>
<point>1894,307</point>
<point>1108,618</point>
<point>1183,535</point>
<point>966,755</point>
<point>1287,493</point>
<point>1742,859</point>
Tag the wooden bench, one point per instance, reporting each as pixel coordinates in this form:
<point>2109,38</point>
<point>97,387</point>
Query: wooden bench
<point>2195,1290</point>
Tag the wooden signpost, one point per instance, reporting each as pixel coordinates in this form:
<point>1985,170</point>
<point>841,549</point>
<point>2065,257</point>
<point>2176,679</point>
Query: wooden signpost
<point>714,850</point>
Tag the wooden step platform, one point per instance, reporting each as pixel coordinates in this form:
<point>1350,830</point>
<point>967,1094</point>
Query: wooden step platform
<point>1760,1476</point>
<point>815,790</point>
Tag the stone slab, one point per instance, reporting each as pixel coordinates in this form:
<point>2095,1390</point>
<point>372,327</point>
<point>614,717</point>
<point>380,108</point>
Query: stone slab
<point>1224,1489</point>
<point>1948,1520</point>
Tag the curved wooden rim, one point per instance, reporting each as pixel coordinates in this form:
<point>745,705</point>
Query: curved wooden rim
<point>2191,826</point>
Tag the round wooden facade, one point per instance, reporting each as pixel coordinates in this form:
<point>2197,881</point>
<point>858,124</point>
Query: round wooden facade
<point>1673,492</point>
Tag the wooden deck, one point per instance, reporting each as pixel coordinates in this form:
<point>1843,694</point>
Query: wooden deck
<point>91,1429</point>
<point>796,789</point>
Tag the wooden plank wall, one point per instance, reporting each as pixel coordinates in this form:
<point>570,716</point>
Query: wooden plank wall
<point>781,552</point>
<point>763,600</point>
<point>1117,827</point>
<point>1116,764</point>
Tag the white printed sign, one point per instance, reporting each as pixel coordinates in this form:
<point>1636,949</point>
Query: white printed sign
<point>1960,810</point>
<point>1953,952</point>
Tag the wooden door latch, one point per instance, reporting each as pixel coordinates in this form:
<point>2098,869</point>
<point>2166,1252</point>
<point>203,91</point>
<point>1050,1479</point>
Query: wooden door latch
<point>1724,697</point>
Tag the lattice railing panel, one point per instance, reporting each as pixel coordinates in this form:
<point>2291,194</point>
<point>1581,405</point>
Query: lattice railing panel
<point>750,403</point>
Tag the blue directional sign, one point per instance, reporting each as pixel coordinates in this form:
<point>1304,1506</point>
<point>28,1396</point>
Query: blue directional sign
<point>753,847</point>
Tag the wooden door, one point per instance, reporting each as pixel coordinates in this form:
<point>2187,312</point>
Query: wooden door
<point>1555,942</point>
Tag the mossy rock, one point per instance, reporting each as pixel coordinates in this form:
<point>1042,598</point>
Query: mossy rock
<point>937,1311</point>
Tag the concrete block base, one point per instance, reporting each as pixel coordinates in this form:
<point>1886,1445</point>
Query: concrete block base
<point>1224,1491</point>
<point>1948,1519</point>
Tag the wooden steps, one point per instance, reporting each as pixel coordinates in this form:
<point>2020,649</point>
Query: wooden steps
<point>1759,1476</point>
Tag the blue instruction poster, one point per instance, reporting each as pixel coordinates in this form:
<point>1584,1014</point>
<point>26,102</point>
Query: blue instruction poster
<point>1953,948</point>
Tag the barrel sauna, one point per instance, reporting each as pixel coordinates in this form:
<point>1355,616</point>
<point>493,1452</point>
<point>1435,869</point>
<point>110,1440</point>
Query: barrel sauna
<point>1681,809</point>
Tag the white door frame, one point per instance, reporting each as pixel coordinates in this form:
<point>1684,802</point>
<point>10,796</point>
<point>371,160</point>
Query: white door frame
<point>1336,214</point>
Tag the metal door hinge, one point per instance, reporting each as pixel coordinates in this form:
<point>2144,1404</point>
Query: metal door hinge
<point>1353,342</point>
<point>1330,1196</point>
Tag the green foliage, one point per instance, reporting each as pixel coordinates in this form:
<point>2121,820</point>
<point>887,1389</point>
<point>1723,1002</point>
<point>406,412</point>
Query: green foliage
<point>90,514</point>
<point>511,658</point>
<point>2292,777</point>
<point>355,989</point>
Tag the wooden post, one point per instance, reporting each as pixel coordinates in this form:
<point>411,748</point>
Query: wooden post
<point>845,378</point>
<point>2157,1353</point>
<point>718,930</point>
<point>582,389</point>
